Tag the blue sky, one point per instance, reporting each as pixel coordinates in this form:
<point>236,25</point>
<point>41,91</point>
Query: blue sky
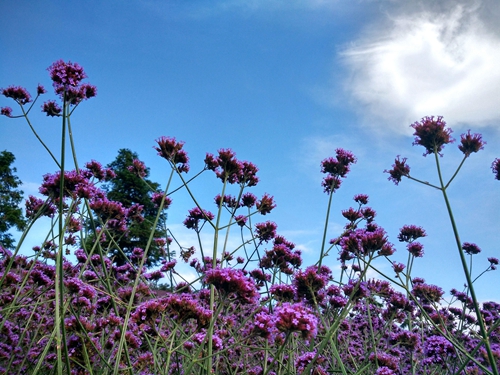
<point>282,83</point>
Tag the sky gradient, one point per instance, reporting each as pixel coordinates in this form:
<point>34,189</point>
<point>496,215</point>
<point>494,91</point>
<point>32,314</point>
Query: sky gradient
<point>283,84</point>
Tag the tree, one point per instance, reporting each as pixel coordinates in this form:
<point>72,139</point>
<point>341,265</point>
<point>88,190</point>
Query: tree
<point>129,189</point>
<point>11,215</point>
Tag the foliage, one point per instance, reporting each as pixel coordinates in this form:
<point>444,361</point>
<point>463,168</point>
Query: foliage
<point>130,187</point>
<point>11,215</point>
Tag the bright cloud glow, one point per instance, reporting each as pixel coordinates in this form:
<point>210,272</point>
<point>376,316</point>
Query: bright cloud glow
<point>428,64</point>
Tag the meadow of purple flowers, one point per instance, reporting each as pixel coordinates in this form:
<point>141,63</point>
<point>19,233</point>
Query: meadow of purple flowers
<point>253,309</point>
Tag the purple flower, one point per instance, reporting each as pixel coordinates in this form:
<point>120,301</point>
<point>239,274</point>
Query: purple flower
<point>265,231</point>
<point>248,200</point>
<point>172,150</point>
<point>409,233</point>
<point>66,74</point>
<point>336,168</point>
<point>19,94</point>
<point>361,199</point>
<point>331,184</point>
<point>340,165</point>
<point>282,256</point>
<point>266,204</point>
<point>437,349</point>
<point>296,318</point>
<point>6,111</point>
<point>263,324</point>
<point>157,198</point>
<point>137,168</point>
<point>399,169</point>
<point>398,267</point>
<point>495,167</point>
<point>241,220</point>
<point>432,134</point>
<point>309,283</point>
<point>470,248</point>
<point>232,282</point>
<point>470,143</point>
<point>40,90</point>
<point>195,216</point>
<point>427,293</point>
<point>416,249</point>
<point>282,292</point>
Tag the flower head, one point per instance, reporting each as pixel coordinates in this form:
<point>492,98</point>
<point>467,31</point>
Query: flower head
<point>172,150</point>
<point>410,233</point>
<point>195,216</point>
<point>432,134</point>
<point>470,248</point>
<point>495,167</point>
<point>470,143</point>
<point>266,204</point>
<point>296,317</point>
<point>66,74</point>
<point>51,108</point>
<point>6,111</point>
<point>229,281</point>
<point>40,90</point>
<point>399,169</point>
<point>18,93</point>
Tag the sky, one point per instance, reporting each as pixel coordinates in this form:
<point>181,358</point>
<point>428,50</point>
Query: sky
<point>283,84</point>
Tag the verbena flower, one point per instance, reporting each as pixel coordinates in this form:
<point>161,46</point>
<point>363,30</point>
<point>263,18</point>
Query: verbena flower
<point>296,318</point>
<point>266,204</point>
<point>409,233</point>
<point>66,73</point>
<point>470,143</point>
<point>432,134</point>
<point>137,168</point>
<point>265,232</point>
<point>232,282</point>
<point>196,215</point>
<point>6,111</point>
<point>416,249</point>
<point>168,148</point>
<point>495,167</point>
<point>18,93</point>
<point>399,169</point>
<point>470,248</point>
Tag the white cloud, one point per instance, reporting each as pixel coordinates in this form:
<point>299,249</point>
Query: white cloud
<point>428,64</point>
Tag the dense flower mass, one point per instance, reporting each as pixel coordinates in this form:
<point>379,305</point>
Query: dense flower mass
<point>432,134</point>
<point>81,303</point>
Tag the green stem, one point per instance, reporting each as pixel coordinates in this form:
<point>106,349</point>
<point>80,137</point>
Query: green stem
<point>25,114</point>
<point>323,242</point>
<point>480,321</point>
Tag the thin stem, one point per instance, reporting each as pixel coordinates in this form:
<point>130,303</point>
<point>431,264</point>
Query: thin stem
<point>480,321</point>
<point>323,242</point>
<point>25,114</point>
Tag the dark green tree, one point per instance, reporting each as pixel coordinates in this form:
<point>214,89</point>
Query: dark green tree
<point>129,188</point>
<point>11,215</point>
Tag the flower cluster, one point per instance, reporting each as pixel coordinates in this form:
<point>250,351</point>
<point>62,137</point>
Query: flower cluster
<point>336,168</point>
<point>228,168</point>
<point>432,134</point>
